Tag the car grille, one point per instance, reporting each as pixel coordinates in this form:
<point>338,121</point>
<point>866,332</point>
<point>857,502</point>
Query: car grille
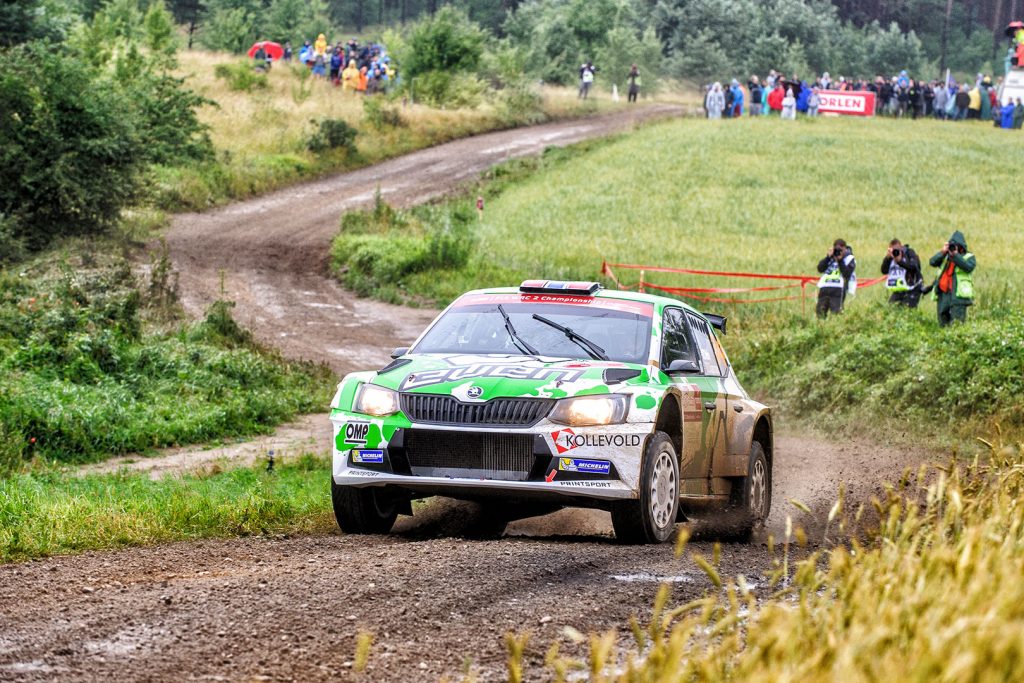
<point>507,457</point>
<point>506,412</point>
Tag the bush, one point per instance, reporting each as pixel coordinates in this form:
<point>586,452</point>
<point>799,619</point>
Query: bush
<point>69,157</point>
<point>448,42</point>
<point>332,134</point>
<point>241,76</point>
<point>380,115</point>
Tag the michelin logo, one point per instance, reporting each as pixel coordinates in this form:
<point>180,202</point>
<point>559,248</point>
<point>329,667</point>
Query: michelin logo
<point>585,466</point>
<point>368,456</point>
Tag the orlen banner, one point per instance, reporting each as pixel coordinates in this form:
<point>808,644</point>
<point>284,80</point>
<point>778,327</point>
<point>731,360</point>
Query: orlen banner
<point>847,102</point>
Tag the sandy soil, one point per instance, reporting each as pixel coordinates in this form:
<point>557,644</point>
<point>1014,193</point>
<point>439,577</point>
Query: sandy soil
<point>291,608</point>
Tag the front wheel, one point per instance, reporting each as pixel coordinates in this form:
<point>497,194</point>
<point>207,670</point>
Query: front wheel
<point>752,496</point>
<point>652,518</point>
<point>363,510</point>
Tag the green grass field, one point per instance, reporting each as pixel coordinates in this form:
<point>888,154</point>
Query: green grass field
<point>759,195</point>
<point>53,512</point>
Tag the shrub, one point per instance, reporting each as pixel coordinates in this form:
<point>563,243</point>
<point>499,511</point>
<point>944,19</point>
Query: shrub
<point>448,42</point>
<point>241,76</point>
<point>380,115</point>
<point>332,134</point>
<point>69,157</point>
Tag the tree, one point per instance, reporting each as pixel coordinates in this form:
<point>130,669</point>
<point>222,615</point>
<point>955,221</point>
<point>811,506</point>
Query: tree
<point>69,157</point>
<point>159,27</point>
<point>447,42</point>
<point>231,25</point>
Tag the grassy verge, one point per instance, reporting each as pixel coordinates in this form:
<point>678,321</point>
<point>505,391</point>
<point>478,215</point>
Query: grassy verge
<point>761,195</point>
<point>261,134</point>
<point>95,363</point>
<point>935,595</point>
<point>56,512</point>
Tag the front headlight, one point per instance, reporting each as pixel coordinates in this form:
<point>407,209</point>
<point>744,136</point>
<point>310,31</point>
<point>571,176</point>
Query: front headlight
<point>375,400</point>
<point>586,411</point>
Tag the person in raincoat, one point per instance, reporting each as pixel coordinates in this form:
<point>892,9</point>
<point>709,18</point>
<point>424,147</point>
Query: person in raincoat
<point>715,102</point>
<point>1018,115</point>
<point>362,81</point>
<point>813,102</point>
<point>974,108</point>
<point>1006,115</point>
<point>789,105</point>
<point>320,46</point>
<point>737,99</point>
<point>954,286</point>
<point>986,99</point>
<point>350,77</point>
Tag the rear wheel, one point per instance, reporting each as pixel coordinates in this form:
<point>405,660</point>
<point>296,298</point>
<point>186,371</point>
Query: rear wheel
<point>363,510</point>
<point>652,518</point>
<point>752,497</point>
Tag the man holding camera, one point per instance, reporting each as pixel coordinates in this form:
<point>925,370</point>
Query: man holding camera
<point>903,268</point>
<point>837,270</point>
<point>954,287</point>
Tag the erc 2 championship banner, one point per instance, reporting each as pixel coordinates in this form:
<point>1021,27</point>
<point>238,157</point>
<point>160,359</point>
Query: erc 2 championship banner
<point>847,102</point>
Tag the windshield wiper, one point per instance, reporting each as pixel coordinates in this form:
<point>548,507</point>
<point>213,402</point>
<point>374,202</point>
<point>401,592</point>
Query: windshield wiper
<point>520,343</point>
<point>592,349</point>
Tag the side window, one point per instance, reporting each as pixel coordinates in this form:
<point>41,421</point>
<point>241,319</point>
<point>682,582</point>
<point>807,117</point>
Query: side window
<point>702,335</point>
<point>675,338</point>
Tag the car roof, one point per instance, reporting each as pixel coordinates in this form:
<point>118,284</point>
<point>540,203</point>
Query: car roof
<point>604,294</point>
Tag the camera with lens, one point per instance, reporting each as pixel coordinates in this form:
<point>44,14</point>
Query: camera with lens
<point>954,248</point>
<point>896,253</point>
<point>837,252</point>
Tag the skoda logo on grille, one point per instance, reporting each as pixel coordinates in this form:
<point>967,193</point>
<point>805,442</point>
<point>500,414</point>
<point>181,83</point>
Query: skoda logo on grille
<point>475,392</point>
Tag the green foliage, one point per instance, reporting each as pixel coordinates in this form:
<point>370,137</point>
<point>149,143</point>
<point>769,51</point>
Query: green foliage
<point>379,248</point>
<point>447,43</point>
<point>445,89</point>
<point>69,157</point>
<point>49,512</point>
<point>332,134</point>
<point>241,76</point>
<point>380,115</point>
<point>81,378</point>
<point>295,20</point>
<point>159,29</point>
<point>231,26</point>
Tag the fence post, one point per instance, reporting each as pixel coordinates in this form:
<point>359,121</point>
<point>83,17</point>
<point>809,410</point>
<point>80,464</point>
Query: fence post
<point>640,286</point>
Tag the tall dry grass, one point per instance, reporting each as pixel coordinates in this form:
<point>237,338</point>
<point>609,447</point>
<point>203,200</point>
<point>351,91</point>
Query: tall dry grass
<point>935,595</point>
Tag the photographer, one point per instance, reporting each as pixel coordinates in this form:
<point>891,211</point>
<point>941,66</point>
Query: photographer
<point>838,272</point>
<point>954,287</point>
<point>903,268</point>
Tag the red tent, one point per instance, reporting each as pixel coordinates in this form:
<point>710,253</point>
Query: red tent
<point>273,50</point>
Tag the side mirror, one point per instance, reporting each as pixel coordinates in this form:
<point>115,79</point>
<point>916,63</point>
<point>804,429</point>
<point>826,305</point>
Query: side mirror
<point>682,366</point>
<point>400,351</point>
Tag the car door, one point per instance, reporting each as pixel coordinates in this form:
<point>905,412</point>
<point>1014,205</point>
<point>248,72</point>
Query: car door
<point>677,344</point>
<point>740,418</point>
<point>713,433</point>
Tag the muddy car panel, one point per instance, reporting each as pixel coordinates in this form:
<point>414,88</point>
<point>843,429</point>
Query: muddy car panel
<point>456,454</point>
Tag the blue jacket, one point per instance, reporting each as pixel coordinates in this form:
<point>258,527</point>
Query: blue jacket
<point>737,97</point>
<point>805,93</point>
<point>1007,114</point>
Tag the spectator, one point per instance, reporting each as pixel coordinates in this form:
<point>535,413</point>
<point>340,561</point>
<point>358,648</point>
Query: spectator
<point>737,99</point>
<point>350,77</point>
<point>260,57</point>
<point>319,65</point>
<point>838,271</point>
<point>963,103</point>
<point>286,53</point>
<point>587,71</point>
<point>363,81</point>
<point>756,96</point>
<point>915,99</point>
<point>940,101</point>
<point>813,102</point>
<point>320,47</point>
<point>986,99</point>
<point>954,287</point>
<point>634,83</point>
<point>775,97</point>
<point>1018,115</point>
<point>336,58</point>
<point>903,268</point>
<point>789,105</point>
<point>974,108</point>
<point>715,102</point>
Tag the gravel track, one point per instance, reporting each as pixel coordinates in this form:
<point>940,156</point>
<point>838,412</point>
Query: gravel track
<point>291,608</point>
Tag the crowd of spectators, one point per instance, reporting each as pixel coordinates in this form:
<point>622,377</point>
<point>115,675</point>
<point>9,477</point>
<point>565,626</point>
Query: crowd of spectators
<point>364,69</point>
<point>899,96</point>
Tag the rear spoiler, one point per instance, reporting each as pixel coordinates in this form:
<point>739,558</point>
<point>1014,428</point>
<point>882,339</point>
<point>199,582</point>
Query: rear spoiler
<point>717,321</point>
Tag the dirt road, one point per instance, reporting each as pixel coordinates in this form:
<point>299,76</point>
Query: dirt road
<point>291,608</point>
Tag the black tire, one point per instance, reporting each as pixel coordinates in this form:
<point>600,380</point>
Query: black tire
<point>363,510</point>
<point>652,518</point>
<point>752,497</point>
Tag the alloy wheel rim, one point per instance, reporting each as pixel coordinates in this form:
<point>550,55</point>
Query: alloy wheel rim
<point>757,491</point>
<point>664,490</point>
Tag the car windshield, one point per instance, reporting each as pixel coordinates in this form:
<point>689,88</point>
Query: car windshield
<point>624,335</point>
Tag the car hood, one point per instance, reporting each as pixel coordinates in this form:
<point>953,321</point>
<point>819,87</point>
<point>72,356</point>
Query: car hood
<point>481,378</point>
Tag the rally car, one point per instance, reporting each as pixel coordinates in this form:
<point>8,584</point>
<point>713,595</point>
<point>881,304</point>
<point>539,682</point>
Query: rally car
<point>556,394</point>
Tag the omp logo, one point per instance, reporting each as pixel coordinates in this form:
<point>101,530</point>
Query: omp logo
<point>566,440</point>
<point>427,377</point>
<point>355,432</point>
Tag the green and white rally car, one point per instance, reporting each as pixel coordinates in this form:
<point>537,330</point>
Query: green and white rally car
<point>556,394</point>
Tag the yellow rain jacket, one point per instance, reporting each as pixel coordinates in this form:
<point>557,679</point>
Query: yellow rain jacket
<point>321,44</point>
<point>349,76</point>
